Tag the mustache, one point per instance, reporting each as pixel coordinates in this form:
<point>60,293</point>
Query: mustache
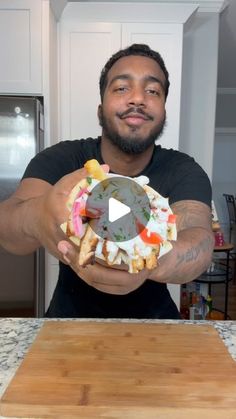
<point>135,110</point>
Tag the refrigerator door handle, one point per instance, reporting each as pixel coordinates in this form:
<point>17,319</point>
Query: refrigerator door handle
<point>41,121</point>
<point>39,282</point>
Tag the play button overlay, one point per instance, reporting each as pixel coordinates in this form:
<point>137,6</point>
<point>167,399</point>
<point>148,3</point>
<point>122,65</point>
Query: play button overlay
<point>117,210</point>
<point>122,207</point>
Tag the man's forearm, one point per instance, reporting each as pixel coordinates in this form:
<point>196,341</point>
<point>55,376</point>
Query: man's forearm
<point>191,255</point>
<point>15,222</point>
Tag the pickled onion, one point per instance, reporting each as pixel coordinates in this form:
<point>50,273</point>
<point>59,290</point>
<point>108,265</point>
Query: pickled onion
<point>77,220</point>
<point>81,192</point>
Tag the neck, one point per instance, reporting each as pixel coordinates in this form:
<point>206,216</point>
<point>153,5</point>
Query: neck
<point>123,163</point>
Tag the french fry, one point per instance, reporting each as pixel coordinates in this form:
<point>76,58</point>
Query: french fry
<point>137,264</point>
<point>87,246</point>
<point>95,170</point>
<point>151,260</point>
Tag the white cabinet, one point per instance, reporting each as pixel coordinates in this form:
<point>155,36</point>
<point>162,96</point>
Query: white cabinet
<point>84,49</point>
<point>20,47</point>
<point>85,46</point>
<point>28,50</point>
<point>167,40</point>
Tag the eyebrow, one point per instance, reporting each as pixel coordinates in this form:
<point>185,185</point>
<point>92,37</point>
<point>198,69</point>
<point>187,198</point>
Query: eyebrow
<point>152,79</point>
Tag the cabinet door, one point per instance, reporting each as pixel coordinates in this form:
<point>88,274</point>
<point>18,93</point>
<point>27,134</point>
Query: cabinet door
<point>167,40</point>
<point>85,47</point>
<point>20,47</point>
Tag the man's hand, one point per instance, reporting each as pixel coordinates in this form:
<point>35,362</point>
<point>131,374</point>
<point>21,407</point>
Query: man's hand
<point>51,211</point>
<point>190,256</point>
<point>32,216</point>
<point>192,252</point>
<point>105,279</point>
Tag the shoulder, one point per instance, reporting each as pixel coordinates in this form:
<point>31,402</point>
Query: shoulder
<point>181,177</point>
<point>71,146</point>
<point>60,159</point>
<point>178,163</point>
<point>176,157</point>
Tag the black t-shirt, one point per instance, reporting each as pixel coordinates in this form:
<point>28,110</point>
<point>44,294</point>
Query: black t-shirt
<point>173,174</point>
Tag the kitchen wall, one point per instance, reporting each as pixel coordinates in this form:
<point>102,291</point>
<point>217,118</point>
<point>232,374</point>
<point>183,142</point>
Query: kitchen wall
<point>224,169</point>
<point>199,82</point>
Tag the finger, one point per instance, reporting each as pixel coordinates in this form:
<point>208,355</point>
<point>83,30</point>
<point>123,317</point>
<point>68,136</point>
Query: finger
<point>109,277</point>
<point>110,287</point>
<point>121,267</point>
<point>106,168</point>
<point>70,254</point>
<point>65,248</point>
<point>68,182</point>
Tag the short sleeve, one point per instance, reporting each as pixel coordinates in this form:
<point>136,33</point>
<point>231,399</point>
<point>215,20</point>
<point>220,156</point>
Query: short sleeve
<point>190,181</point>
<point>54,162</point>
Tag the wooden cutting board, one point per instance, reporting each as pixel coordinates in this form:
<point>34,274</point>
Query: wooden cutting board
<point>124,370</point>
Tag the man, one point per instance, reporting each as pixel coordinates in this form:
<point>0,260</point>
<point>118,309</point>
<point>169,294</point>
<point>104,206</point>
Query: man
<point>133,85</point>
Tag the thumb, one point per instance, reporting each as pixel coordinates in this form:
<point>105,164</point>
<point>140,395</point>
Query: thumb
<point>70,180</point>
<point>105,167</point>
<point>67,182</point>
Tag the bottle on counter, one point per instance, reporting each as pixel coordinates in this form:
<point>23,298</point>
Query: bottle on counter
<point>196,308</point>
<point>219,238</point>
<point>208,308</point>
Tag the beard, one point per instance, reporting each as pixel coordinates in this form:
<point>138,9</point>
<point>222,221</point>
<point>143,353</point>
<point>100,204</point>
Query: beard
<point>134,143</point>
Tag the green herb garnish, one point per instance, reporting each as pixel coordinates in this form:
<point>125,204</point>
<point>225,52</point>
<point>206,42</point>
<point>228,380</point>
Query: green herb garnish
<point>89,180</point>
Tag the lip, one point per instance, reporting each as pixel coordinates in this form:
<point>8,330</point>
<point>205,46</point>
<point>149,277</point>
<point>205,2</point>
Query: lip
<point>135,119</point>
<point>135,115</point>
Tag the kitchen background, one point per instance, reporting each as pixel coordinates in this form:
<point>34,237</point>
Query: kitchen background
<point>54,50</point>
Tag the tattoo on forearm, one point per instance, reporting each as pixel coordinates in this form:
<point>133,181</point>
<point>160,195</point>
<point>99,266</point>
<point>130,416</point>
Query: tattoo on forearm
<point>191,214</point>
<point>193,253</point>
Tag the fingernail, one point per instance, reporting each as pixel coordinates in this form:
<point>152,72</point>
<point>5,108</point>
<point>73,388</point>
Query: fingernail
<point>63,248</point>
<point>106,168</point>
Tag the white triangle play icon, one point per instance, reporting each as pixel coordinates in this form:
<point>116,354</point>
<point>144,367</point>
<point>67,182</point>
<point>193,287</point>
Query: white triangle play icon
<point>116,209</point>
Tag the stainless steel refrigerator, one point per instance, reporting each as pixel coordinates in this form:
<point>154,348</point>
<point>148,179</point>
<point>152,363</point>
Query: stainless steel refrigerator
<point>22,278</point>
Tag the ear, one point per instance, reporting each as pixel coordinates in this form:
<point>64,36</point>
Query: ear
<point>99,114</point>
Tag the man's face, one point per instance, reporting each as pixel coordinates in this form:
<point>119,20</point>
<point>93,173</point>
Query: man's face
<point>132,114</point>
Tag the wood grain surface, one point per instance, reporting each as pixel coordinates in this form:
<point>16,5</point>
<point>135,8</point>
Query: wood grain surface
<point>124,370</point>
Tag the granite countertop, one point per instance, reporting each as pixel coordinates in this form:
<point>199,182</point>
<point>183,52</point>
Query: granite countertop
<point>17,334</point>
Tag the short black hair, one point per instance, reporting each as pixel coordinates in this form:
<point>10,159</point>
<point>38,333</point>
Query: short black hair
<point>138,50</point>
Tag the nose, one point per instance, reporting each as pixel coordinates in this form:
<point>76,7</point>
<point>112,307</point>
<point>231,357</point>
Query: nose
<point>137,97</point>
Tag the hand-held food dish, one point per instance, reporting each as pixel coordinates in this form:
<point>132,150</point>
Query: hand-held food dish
<point>152,240</point>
